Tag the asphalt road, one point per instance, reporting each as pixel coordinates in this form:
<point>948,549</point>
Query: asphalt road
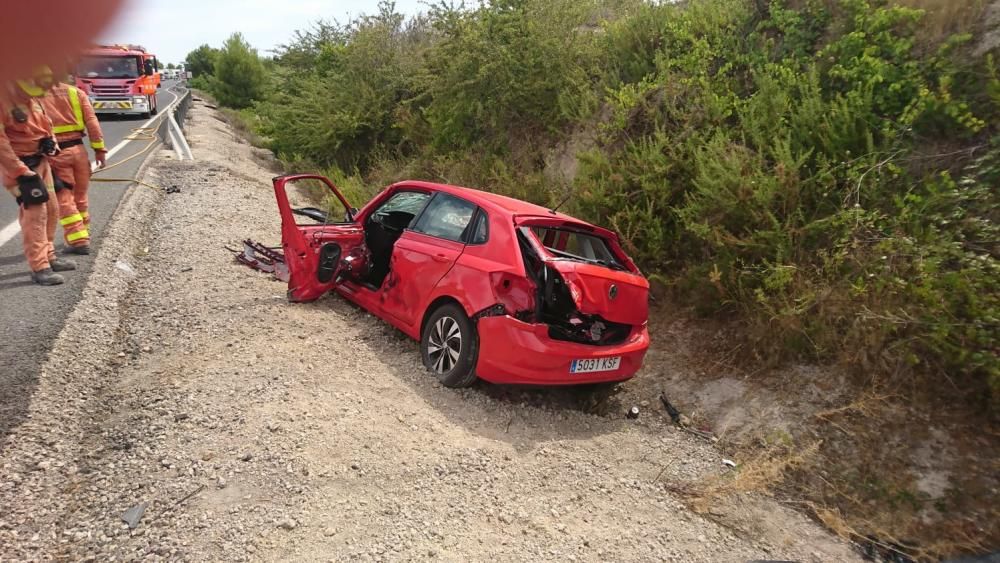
<point>31,316</point>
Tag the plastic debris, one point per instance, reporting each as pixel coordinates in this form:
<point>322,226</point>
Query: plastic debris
<point>729,463</point>
<point>124,266</point>
<point>675,415</point>
<point>632,413</point>
<point>133,515</point>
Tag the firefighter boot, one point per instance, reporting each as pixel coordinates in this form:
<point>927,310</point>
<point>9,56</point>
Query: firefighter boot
<point>62,265</point>
<point>78,250</point>
<point>47,277</point>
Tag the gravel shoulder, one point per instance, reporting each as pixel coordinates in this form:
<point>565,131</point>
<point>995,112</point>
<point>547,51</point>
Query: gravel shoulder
<point>252,429</point>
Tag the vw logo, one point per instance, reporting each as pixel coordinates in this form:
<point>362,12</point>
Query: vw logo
<point>613,291</point>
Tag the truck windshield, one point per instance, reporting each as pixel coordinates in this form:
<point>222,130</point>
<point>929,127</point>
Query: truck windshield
<point>108,67</point>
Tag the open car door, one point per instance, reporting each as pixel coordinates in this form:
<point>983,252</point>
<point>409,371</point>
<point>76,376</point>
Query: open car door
<point>320,247</point>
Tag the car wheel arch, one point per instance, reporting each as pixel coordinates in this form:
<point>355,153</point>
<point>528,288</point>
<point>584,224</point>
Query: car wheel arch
<point>437,303</point>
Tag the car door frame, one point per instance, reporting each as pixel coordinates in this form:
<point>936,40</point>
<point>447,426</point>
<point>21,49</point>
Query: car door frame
<point>302,243</point>
<point>411,326</point>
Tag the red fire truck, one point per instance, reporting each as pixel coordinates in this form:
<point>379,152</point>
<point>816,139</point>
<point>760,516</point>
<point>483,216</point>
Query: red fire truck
<point>120,79</point>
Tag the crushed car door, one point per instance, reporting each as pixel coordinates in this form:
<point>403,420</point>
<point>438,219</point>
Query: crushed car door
<point>424,254</point>
<point>314,249</point>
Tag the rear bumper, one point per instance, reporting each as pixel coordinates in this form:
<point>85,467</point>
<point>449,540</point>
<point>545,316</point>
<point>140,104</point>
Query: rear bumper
<point>514,352</point>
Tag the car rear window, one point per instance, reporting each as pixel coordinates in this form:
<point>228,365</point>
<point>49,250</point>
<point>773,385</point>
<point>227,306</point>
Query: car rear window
<point>576,245</point>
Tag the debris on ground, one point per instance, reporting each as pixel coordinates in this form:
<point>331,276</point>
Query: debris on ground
<point>675,415</point>
<point>133,515</point>
<point>125,267</point>
<point>269,260</point>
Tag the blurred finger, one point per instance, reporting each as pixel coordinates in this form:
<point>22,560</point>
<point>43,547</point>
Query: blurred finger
<point>49,35</point>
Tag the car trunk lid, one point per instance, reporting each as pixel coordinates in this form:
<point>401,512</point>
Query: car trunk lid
<point>617,296</point>
<point>601,279</point>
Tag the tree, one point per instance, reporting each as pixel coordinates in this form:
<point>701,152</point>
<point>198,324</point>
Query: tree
<point>239,73</point>
<point>201,61</point>
<point>171,66</point>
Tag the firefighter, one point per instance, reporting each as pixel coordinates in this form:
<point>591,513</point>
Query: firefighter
<point>26,143</point>
<point>73,118</point>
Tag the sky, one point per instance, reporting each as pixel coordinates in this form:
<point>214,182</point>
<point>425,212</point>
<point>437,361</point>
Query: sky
<point>173,28</point>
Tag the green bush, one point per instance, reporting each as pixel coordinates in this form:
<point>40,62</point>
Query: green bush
<point>339,91</point>
<point>509,70</point>
<point>239,77</point>
<point>201,61</point>
<point>774,167</point>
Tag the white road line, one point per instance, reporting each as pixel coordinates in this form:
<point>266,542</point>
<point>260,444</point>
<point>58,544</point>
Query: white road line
<point>13,229</point>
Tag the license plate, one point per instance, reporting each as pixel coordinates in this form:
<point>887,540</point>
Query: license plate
<point>595,364</point>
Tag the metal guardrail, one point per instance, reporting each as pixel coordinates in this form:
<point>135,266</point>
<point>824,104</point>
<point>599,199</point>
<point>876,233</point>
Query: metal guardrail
<point>170,128</point>
<point>181,110</point>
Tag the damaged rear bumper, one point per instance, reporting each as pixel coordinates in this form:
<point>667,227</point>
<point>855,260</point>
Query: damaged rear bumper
<point>515,352</point>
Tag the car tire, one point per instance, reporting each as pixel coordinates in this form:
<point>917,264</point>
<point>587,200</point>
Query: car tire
<point>449,346</point>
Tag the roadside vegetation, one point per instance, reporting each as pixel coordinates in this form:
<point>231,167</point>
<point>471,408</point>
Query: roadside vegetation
<point>824,173</point>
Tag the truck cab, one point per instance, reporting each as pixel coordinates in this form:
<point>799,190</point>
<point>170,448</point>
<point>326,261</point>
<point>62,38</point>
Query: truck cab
<point>120,79</point>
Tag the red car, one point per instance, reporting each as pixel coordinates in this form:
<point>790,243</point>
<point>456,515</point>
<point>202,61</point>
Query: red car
<point>492,287</point>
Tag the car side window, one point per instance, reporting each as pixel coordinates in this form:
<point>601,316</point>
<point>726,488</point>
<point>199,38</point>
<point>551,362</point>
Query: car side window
<point>480,231</point>
<point>446,216</point>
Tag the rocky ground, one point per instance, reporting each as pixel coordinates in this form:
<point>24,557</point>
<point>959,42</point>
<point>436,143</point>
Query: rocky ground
<point>242,427</point>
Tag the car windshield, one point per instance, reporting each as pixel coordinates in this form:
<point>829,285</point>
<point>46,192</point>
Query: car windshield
<point>108,67</point>
<point>575,245</point>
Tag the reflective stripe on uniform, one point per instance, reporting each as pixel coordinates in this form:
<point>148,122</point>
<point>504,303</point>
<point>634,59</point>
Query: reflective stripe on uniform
<point>72,237</point>
<point>74,102</point>
<point>97,145</point>
<point>70,219</point>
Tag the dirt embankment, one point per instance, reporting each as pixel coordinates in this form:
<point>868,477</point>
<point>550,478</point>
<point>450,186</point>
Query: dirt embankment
<point>251,429</point>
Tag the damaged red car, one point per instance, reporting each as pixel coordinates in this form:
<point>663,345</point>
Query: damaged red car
<point>491,287</point>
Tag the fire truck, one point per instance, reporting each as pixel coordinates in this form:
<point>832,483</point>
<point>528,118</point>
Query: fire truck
<point>120,79</point>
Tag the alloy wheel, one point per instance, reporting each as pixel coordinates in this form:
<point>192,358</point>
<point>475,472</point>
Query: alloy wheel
<point>445,345</point>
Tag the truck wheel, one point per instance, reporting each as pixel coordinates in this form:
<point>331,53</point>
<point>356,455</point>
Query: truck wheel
<point>449,346</point>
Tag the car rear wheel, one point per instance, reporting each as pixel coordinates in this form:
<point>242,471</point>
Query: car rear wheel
<point>450,346</point>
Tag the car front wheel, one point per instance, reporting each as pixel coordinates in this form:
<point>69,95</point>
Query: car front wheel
<point>450,346</point>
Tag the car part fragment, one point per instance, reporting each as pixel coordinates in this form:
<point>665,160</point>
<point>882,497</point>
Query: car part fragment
<point>264,259</point>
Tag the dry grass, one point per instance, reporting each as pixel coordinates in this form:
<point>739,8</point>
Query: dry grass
<point>880,543</point>
<point>947,17</point>
<point>871,404</point>
<point>761,472</point>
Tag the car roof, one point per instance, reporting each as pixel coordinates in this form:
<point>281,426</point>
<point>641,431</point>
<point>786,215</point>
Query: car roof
<point>492,202</point>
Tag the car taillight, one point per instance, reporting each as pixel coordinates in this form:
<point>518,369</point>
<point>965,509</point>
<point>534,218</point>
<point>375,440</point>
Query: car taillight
<point>515,293</point>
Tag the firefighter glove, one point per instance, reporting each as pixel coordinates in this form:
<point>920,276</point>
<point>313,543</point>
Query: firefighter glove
<point>33,190</point>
